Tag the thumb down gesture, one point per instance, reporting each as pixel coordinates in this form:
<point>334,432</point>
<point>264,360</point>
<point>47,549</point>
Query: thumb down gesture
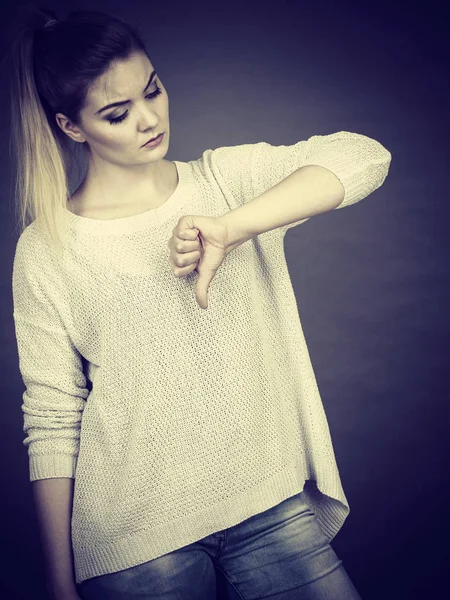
<point>200,243</point>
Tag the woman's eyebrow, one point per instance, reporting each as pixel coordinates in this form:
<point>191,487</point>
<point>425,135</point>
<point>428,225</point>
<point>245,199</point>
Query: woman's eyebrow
<point>125,101</point>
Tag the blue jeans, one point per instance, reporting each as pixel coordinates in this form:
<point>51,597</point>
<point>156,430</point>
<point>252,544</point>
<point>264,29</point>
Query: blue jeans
<point>281,554</point>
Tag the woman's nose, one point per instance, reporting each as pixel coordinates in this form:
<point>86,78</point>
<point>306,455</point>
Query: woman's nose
<point>148,118</point>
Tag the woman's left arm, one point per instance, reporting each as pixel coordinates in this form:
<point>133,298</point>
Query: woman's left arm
<point>306,192</point>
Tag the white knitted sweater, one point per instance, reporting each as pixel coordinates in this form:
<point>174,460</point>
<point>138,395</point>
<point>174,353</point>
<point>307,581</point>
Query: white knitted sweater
<point>178,422</point>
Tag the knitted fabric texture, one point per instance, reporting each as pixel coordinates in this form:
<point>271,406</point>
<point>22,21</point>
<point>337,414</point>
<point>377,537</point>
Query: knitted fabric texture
<point>178,422</point>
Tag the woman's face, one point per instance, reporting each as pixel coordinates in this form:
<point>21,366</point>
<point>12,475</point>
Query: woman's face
<point>117,134</point>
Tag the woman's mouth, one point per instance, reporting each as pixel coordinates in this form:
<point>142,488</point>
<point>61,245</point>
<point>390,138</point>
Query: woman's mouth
<point>154,142</point>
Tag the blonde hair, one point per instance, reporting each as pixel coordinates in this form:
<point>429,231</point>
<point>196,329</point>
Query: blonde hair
<point>54,63</point>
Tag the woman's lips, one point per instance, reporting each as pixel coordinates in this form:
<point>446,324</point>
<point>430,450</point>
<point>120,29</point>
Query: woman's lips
<point>155,141</point>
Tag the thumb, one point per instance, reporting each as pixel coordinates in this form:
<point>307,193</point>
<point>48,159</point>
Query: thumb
<point>201,291</point>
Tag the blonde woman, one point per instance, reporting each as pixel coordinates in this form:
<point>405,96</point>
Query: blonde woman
<point>173,422</point>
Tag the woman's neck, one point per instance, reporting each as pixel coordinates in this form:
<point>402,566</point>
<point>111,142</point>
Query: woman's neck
<point>100,200</point>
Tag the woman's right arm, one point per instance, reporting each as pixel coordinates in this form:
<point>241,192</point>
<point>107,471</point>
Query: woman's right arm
<point>52,370</point>
<point>53,500</point>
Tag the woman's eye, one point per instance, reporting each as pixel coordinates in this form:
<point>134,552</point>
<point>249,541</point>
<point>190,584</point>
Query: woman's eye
<point>124,116</point>
<point>117,119</point>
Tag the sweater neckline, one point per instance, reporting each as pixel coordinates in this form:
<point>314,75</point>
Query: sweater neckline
<point>153,217</point>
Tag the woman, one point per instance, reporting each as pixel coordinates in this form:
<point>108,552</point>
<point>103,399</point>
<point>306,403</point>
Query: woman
<point>174,425</point>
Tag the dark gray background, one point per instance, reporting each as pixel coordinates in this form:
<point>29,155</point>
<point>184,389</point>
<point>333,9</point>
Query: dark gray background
<point>371,280</point>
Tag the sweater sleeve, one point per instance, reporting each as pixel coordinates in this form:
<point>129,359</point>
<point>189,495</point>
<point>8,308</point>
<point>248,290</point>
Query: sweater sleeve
<point>360,163</point>
<point>50,366</point>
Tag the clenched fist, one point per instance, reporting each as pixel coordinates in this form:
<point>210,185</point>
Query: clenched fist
<point>200,243</point>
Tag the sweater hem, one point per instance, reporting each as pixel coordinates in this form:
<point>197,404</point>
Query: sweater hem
<point>327,502</point>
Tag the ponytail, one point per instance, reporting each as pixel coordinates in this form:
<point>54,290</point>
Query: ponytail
<point>41,172</point>
<point>53,65</point>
